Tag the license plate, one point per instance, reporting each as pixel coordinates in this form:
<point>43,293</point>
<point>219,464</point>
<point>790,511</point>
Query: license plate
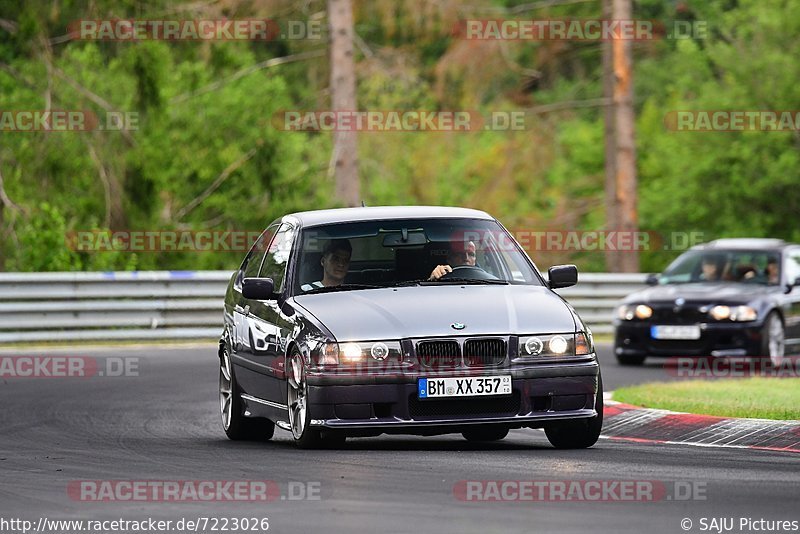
<point>473,386</point>
<point>675,332</point>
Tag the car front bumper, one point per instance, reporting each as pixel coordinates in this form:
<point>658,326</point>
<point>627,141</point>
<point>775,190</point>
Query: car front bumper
<point>633,338</point>
<point>541,393</point>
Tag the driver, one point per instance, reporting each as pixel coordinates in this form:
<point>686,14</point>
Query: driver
<point>335,263</point>
<point>460,253</point>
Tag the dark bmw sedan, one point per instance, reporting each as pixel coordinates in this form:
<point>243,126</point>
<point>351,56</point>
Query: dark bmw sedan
<point>415,320</point>
<point>726,298</point>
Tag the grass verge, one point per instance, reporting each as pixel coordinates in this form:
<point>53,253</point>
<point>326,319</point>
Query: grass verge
<point>755,397</point>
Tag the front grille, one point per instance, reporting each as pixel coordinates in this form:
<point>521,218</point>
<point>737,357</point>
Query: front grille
<point>500,406</point>
<point>671,314</point>
<point>439,354</point>
<point>482,352</point>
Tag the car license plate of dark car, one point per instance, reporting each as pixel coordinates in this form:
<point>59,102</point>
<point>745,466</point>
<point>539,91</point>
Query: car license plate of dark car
<point>473,386</point>
<point>675,332</point>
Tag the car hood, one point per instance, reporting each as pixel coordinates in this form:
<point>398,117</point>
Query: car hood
<point>426,311</point>
<point>701,293</point>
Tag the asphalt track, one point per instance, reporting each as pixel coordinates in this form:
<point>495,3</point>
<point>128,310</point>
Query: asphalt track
<point>164,425</point>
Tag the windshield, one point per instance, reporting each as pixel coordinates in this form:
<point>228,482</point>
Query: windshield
<point>738,266</point>
<point>372,254</point>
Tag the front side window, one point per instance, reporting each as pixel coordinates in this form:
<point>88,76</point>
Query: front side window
<point>277,257</point>
<point>793,266</point>
<point>252,262</point>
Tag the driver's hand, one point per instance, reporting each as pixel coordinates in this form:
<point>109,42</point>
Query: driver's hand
<point>440,271</point>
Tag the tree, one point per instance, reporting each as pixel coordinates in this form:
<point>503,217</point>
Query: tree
<point>343,98</point>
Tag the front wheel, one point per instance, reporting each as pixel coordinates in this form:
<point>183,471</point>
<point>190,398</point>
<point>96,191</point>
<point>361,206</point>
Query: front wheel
<point>305,437</point>
<point>580,433</point>
<point>236,425</point>
<point>773,340</point>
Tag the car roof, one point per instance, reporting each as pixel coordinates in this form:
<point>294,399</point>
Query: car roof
<point>744,243</point>
<point>377,213</point>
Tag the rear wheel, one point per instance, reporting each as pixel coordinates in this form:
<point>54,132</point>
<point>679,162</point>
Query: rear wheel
<point>579,433</point>
<point>235,424</point>
<point>485,433</point>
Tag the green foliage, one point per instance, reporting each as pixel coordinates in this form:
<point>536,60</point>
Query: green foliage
<point>46,245</point>
<point>205,154</point>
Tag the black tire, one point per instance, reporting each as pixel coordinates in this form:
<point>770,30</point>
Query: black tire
<point>306,437</point>
<point>773,327</point>
<point>580,433</point>
<point>630,359</point>
<point>485,433</point>
<point>239,427</point>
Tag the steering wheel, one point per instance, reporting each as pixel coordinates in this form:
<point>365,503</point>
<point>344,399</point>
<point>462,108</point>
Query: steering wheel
<point>471,272</point>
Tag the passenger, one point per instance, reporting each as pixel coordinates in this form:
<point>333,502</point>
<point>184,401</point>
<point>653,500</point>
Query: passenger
<point>335,263</point>
<point>772,271</point>
<point>459,254</point>
<point>710,269</point>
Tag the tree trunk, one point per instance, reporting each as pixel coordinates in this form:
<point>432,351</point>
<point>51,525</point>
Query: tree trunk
<point>625,159</point>
<point>610,139</point>
<point>343,98</point>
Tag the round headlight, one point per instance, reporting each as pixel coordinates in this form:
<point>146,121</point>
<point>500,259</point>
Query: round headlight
<point>379,351</point>
<point>744,313</point>
<point>558,345</point>
<point>720,313</point>
<point>534,346</point>
<point>351,352</point>
<point>643,311</point>
<point>625,313</point>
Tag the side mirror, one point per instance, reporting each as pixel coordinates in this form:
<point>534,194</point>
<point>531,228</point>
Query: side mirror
<point>562,276</point>
<point>792,285</point>
<point>651,280</point>
<point>258,289</point>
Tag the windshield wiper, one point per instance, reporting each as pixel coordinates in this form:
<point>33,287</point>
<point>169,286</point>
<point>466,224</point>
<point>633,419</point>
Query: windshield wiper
<point>404,283</point>
<point>340,287</point>
<point>488,281</point>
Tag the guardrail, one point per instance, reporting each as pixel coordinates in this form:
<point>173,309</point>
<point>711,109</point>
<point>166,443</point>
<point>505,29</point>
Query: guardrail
<point>186,304</point>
